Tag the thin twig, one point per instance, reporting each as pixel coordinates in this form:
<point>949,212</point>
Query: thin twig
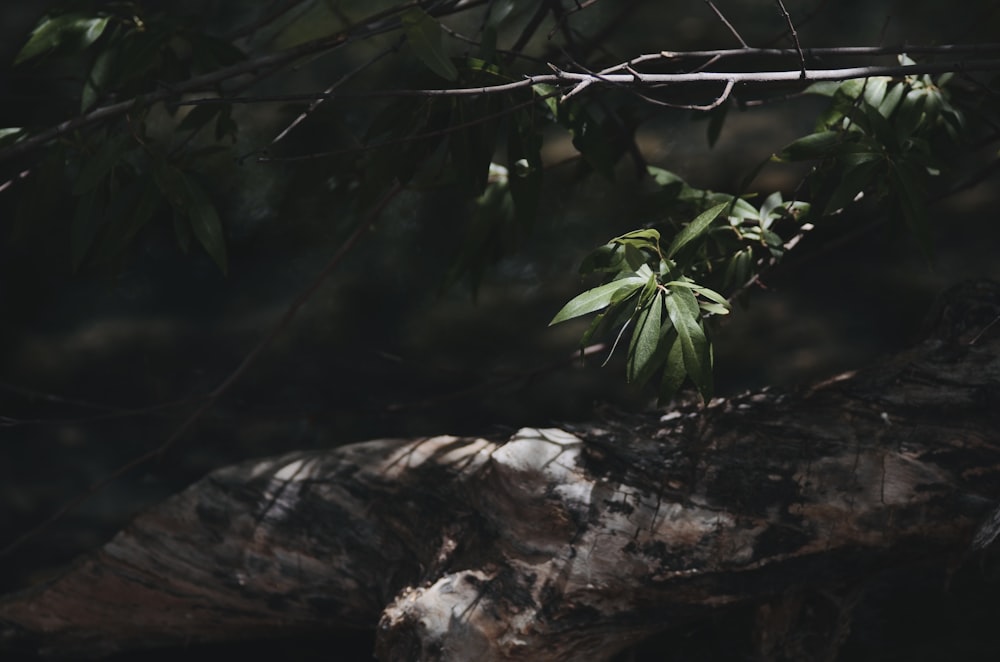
<point>726,22</point>
<point>839,51</point>
<point>530,28</point>
<point>598,40</point>
<point>224,386</point>
<point>400,141</point>
<point>330,90</point>
<point>816,11</point>
<point>795,35</point>
<point>634,79</point>
<point>368,27</point>
<point>564,14</point>
<point>719,100</point>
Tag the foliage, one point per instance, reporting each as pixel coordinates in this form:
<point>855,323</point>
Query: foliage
<point>160,99</point>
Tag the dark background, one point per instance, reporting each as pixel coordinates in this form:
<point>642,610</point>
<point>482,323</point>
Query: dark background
<point>98,368</point>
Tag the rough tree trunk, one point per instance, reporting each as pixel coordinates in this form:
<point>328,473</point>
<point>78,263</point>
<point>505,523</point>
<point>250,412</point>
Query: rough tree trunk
<point>562,544</point>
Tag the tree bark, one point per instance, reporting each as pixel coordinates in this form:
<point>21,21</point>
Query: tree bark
<point>565,544</point>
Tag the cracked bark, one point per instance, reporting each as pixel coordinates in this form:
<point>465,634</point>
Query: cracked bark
<point>565,544</point>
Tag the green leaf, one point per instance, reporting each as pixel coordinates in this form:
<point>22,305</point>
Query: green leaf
<point>771,203</point>
<point>714,308</point>
<point>743,211</point>
<point>210,53</point>
<point>501,10</point>
<point>853,88</point>
<point>69,31</point>
<point>649,235</point>
<point>127,225</point>
<point>695,229</point>
<point>642,355</point>
<point>709,294</point>
<point>549,94</point>
<point>99,79</point>
<point>199,116</point>
<point>638,240</point>
<point>912,203</point>
<point>875,89</point>
<point>10,134</point>
<point>690,335</point>
<point>664,177</point>
<point>814,146</point>
<point>673,369</point>
<point>182,230</point>
<point>141,52</point>
<point>593,140</point>
<point>910,114</point>
<point>605,259</point>
<point>424,35</point>
<point>892,99</point>
<point>205,222</point>
<point>826,88</point>
<point>716,119</point>
<point>170,181</point>
<point>96,168</point>
<point>880,128</point>
<point>598,298</point>
<point>853,181</point>
<point>739,269</point>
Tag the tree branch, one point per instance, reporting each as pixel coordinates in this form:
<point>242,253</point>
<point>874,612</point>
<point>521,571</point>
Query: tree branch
<point>370,26</point>
<point>794,34</point>
<point>726,22</point>
<point>634,79</point>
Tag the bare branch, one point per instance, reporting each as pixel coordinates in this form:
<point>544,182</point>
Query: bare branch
<point>809,53</point>
<point>795,35</point>
<point>572,80</point>
<point>330,90</point>
<point>726,22</point>
<point>721,99</point>
<point>530,28</point>
<point>369,26</point>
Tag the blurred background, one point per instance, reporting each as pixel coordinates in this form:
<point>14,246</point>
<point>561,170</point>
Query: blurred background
<point>99,366</point>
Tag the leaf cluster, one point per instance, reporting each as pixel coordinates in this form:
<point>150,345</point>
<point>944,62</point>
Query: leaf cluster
<point>649,292</point>
<point>876,139</point>
<point>123,175</point>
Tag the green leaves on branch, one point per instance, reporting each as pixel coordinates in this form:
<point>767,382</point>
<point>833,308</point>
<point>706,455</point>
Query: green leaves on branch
<point>601,137</point>
<point>423,33</point>
<point>664,308</point>
<point>194,212</point>
<point>132,52</point>
<point>118,188</point>
<point>67,32</point>
<point>663,296</point>
<point>695,229</point>
<point>875,138</point>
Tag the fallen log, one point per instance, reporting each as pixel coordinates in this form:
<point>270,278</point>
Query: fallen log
<point>571,543</point>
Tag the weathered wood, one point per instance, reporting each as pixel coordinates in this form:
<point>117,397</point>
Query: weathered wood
<point>563,544</point>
